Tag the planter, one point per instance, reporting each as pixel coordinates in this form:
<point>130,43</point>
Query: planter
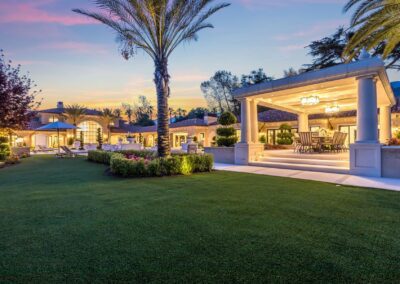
<point>223,155</point>
<point>391,161</point>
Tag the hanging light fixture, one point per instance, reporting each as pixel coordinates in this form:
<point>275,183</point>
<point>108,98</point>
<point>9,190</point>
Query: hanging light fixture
<point>309,101</point>
<point>332,109</point>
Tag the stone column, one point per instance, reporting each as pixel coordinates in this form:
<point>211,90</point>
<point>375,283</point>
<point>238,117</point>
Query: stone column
<point>303,122</point>
<point>367,118</point>
<point>385,122</point>
<point>245,121</point>
<point>365,154</point>
<point>254,122</point>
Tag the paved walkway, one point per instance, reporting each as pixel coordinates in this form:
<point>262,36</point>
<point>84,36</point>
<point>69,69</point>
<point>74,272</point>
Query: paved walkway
<point>340,179</point>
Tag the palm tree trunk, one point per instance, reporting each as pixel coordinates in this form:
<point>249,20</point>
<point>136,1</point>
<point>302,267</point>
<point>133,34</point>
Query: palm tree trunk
<point>161,79</point>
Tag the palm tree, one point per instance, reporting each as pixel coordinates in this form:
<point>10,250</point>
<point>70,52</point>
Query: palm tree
<point>128,111</point>
<point>108,117</point>
<point>157,27</point>
<point>374,22</point>
<point>75,113</point>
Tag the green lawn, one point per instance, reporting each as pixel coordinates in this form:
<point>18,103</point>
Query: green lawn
<point>67,220</point>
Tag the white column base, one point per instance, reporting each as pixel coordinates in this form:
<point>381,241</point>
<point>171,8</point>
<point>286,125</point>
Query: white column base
<point>245,153</point>
<point>365,159</point>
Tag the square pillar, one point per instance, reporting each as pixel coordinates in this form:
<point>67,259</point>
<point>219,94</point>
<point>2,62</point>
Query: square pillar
<point>247,150</point>
<point>245,121</point>
<point>303,122</point>
<point>385,123</point>
<point>254,121</point>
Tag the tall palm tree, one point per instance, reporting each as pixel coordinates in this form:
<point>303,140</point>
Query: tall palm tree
<point>75,113</point>
<point>108,117</point>
<point>374,22</point>
<point>157,27</point>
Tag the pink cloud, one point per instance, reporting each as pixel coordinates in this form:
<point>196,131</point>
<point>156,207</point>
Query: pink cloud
<point>258,3</point>
<point>34,12</point>
<point>77,47</point>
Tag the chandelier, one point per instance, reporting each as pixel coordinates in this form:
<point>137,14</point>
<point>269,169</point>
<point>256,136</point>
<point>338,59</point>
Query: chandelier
<point>309,101</point>
<point>332,109</point>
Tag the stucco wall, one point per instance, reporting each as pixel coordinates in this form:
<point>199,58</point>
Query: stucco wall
<point>391,161</point>
<point>223,155</point>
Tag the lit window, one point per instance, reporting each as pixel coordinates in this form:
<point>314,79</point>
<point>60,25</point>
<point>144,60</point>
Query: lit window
<point>89,129</point>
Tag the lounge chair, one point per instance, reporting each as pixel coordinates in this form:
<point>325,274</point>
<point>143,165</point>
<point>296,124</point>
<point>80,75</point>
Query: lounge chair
<point>68,152</point>
<point>41,148</point>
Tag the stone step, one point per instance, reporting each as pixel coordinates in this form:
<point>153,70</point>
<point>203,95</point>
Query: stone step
<point>302,167</point>
<point>309,161</point>
<point>319,156</point>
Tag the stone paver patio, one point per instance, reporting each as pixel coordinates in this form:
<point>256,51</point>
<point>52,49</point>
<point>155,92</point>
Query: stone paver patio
<point>339,179</point>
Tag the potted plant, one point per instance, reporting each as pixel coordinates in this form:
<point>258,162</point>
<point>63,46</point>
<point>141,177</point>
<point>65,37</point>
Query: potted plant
<point>285,136</point>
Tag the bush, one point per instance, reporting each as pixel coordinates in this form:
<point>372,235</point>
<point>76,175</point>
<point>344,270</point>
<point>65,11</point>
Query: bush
<point>4,148</point>
<point>12,160</point>
<point>226,131</point>
<point>226,141</point>
<point>227,118</point>
<point>174,165</point>
<point>139,153</point>
<point>285,137</point>
<point>102,157</point>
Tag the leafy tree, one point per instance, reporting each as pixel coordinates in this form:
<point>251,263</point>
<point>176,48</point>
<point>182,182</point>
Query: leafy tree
<point>157,27</point>
<point>255,77</point>
<point>17,100</point>
<point>143,112</point>
<point>128,110</point>
<point>75,113</point>
<point>374,22</point>
<point>198,112</point>
<point>329,51</point>
<point>218,91</point>
<point>117,112</point>
<point>292,72</point>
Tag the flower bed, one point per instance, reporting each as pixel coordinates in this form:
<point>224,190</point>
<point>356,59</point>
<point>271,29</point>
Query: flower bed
<point>146,164</point>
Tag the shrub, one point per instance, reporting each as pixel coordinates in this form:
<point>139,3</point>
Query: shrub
<point>4,148</point>
<point>285,137</point>
<point>227,134</point>
<point>394,142</point>
<point>174,165</point>
<point>227,118</point>
<point>139,153</point>
<point>12,160</point>
<point>263,139</point>
<point>226,131</point>
<point>101,157</point>
<point>99,139</point>
<point>227,141</point>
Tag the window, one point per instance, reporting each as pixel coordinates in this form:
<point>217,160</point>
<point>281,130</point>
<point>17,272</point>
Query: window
<point>89,129</point>
<point>351,131</point>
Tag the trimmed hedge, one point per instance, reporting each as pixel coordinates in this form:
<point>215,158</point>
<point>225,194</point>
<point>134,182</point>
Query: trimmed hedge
<point>102,157</point>
<point>174,165</point>
<point>180,164</point>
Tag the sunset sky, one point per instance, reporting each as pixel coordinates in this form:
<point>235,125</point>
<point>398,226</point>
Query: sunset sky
<point>76,60</point>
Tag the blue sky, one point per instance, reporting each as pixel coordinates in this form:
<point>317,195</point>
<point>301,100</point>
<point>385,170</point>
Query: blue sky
<point>76,60</point>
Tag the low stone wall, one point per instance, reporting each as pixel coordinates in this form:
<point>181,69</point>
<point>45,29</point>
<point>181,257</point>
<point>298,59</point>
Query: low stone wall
<point>391,161</point>
<point>223,155</point>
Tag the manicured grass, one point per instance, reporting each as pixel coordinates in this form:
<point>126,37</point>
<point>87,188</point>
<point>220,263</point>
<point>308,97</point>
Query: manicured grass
<point>67,220</point>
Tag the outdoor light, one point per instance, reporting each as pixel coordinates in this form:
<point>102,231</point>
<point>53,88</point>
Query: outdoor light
<point>332,109</point>
<point>309,101</point>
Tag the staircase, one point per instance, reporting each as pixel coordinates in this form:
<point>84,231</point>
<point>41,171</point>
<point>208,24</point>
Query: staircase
<point>287,159</point>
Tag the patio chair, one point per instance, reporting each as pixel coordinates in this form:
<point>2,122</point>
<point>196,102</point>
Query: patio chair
<point>296,143</point>
<point>68,152</point>
<point>342,142</point>
<point>44,149</point>
<point>338,141</point>
<point>307,142</point>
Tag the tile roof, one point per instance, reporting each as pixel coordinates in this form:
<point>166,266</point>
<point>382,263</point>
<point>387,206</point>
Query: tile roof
<point>62,110</point>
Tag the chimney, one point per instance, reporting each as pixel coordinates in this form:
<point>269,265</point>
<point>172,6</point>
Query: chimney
<point>60,105</point>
